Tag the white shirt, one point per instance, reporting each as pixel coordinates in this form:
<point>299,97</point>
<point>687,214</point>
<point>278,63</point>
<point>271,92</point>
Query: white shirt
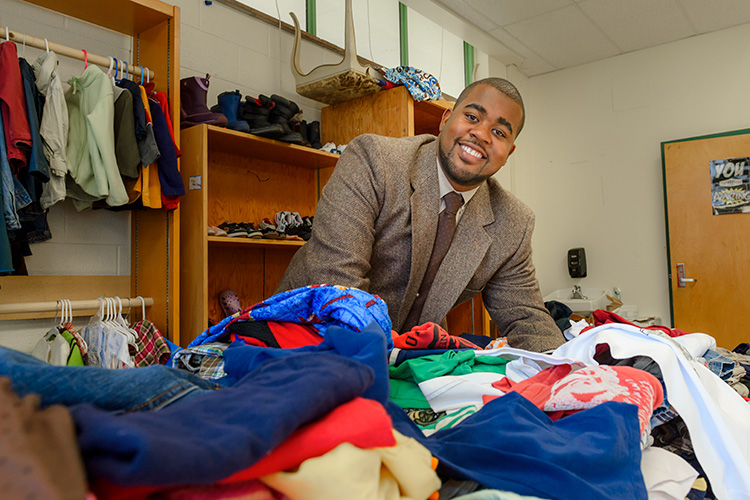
<point>445,188</point>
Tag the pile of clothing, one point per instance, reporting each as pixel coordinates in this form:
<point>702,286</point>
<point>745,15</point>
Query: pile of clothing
<point>310,395</point>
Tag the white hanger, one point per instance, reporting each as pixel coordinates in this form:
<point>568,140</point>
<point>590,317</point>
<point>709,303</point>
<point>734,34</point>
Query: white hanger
<point>148,76</point>
<point>46,44</point>
<point>143,301</point>
<point>109,71</point>
<point>7,34</point>
<point>60,305</point>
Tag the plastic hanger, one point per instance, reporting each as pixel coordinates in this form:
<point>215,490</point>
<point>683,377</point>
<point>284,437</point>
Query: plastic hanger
<point>126,72</point>
<point>7,34</point>
<point>117,69</point>
<point>141,74</point>
<point>148,76</point>
<point>109,71</point>
<point>143,305</point>
<point>23,54</point>
<point>46,45</point>
<point>85,59</point>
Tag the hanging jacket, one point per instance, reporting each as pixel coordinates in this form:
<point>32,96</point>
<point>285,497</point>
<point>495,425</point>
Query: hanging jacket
<point>91,141</point>
<point>17,131</point>
<point>37,165</point>
<point>53,127</point>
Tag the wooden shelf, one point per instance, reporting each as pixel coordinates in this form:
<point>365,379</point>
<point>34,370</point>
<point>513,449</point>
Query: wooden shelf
<point>260,148</point>
<point>255,242</point>
<point>124,16</point>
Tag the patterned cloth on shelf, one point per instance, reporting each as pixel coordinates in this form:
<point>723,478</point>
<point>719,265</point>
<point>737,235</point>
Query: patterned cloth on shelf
<point>421,85</point>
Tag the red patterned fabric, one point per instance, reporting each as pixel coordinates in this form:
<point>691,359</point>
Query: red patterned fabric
<point>430,336</point>
<point>592,386</point>
<point>602,317</point>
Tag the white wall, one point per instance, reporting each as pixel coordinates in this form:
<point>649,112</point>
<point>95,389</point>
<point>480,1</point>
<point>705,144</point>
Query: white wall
<point>595,176</point>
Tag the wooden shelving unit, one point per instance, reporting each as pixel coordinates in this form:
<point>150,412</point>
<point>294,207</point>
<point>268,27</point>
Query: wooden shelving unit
<point>155,259</point>
<point>237,177</point>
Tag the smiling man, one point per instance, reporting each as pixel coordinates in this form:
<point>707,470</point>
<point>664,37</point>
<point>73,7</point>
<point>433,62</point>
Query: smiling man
<point>421,222</point>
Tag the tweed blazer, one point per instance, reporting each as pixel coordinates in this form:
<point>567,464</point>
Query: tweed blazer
<point>375,226</point>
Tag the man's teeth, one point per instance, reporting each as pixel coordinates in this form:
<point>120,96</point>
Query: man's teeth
<point>472,152</point>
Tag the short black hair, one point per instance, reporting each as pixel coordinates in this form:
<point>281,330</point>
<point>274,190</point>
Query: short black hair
<point>503,86</point>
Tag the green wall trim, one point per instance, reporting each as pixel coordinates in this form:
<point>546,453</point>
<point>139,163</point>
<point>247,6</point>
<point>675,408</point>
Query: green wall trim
<point>468,63</point>
<point>403,28</point>
<point>310,18</point>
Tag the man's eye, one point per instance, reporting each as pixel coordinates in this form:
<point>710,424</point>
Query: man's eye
<point>471,117</point>
<point>498,132</point>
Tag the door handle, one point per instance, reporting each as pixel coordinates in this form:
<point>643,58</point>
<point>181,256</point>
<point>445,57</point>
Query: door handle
<point>681,279</point>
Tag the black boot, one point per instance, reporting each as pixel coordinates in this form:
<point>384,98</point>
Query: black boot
<point>282,112</point>
<point>255,112</point>
<point>313,134</point>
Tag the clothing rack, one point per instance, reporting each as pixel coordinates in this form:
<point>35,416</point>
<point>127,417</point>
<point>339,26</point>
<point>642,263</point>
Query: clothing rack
<point>80,54</point>
<point>37,307</point>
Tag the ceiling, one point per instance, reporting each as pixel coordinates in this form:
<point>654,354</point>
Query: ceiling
<point>548,35</point>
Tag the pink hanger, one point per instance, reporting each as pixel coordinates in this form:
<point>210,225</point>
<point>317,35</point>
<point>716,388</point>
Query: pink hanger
<point>85,59</point>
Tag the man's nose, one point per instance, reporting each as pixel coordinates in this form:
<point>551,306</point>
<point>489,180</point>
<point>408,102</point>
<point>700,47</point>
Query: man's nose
<point>481,132</point>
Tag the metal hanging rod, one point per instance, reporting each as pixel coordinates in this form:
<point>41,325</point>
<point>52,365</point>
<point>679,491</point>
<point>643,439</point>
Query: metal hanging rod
<point>36,307</point>
<point>80,54</point>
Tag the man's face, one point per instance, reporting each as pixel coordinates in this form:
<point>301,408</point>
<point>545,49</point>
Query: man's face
<point>477,137</point>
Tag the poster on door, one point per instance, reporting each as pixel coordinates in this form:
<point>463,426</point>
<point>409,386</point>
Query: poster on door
<point>730,186</point>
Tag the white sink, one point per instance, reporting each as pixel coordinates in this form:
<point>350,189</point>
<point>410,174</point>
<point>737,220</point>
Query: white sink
<point>596,298</point>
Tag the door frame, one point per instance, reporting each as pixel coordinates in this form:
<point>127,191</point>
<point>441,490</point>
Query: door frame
<point>744,131</point>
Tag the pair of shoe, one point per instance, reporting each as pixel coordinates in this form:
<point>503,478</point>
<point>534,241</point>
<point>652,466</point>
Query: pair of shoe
<point>332,148</point>
<point>298,227</point>
<point>240,229</point>
<point>272,117</point>
<point>310,133</point>
<point>216,231</point>
<point>287,224</point>
<point>193,108</point>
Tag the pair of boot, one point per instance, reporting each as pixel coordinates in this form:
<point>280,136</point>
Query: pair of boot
<point>310,133</point>
<point>193,109</point>
<point>271,117</point>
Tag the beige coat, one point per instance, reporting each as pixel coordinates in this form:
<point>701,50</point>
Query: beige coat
<point>375,226</point>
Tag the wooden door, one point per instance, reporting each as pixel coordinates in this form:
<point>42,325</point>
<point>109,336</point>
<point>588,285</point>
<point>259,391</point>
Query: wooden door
<point>714,250</point>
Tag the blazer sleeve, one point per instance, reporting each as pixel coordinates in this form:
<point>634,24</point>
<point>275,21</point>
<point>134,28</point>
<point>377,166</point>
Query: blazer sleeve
<point>514,302</point>
<point>339,250</point>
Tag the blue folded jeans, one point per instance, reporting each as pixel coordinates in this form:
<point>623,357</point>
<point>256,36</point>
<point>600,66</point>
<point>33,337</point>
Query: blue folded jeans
<point>134,389</point>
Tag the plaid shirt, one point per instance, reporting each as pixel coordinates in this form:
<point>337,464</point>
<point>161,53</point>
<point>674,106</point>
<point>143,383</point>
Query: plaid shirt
<point>206,361</point>
<point>151,347</point>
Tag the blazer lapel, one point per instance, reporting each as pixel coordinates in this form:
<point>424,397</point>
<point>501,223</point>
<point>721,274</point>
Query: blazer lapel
<point>470,243</point>
<point>425,204</point>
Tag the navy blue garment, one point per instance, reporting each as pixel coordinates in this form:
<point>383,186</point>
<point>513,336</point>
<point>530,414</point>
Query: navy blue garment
<point>208,437</point>
<point>139,112</point>
<point>367,347</point>
<point>479,340</point>
<point>512,445</point>
<point>141,389</point>
<point>169,175</point>
<point>38,165</point>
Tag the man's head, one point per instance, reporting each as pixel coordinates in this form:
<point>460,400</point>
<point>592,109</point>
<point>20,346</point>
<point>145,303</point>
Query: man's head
<point>478,135</point>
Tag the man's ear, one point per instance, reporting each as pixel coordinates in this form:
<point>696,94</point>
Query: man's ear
<point>512,149</point>
<point>446,115</point>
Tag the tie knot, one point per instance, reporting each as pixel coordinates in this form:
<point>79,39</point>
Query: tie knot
<point>453,202</point>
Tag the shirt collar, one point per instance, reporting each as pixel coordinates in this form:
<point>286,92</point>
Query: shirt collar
<point>445,186</point>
